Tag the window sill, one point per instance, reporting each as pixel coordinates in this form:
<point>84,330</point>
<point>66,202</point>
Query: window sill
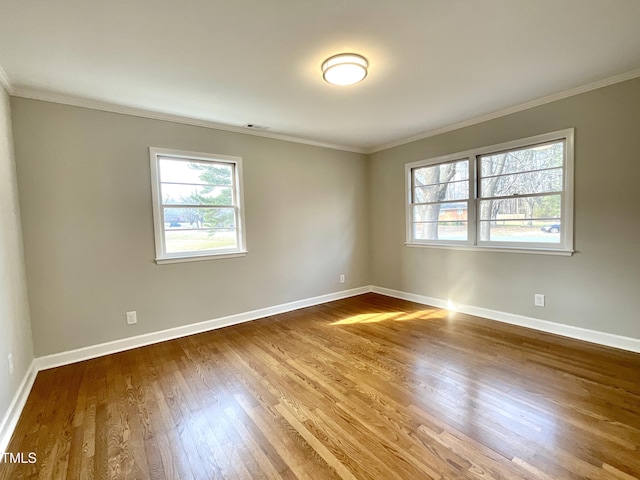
<point>198,258</point>
<point>476,248</point>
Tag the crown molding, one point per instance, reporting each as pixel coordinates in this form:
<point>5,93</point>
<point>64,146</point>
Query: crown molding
<point>36,94</point>
<point>64,99</point>
<point>508,111</point>
<point>5,82</point>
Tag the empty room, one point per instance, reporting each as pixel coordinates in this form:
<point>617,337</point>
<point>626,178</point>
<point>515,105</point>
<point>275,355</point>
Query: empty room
<point>347,239</point>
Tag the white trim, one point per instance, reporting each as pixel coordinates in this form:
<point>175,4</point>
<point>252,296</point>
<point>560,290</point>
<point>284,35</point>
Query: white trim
<point>472,156</point>
<point>578,333</point>
<point>11,417</point>
<point>94,351</point>
<point>623,77</point>
<point>65,99</point>
<point>480,248</point>
<point>470,200</point>
<point>200,258</point>
<point>6,83</point>
<point>237,186</point>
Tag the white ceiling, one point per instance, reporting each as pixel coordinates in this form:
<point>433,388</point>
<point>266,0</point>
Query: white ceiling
<point>433,63</point>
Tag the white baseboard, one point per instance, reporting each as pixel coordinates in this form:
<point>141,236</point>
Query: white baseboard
<point>94,351</point>
<point>592,336</point>
<point>10,419</point>
<point>12,415</point>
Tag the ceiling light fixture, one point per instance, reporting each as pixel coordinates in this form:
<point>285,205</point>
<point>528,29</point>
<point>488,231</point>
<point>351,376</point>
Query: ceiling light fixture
<point>345,69</point>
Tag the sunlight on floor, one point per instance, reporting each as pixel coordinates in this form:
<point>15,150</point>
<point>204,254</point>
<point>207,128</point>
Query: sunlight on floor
<point>437,314</point>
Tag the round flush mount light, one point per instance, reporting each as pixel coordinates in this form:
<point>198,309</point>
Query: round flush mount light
<point>345,69</point>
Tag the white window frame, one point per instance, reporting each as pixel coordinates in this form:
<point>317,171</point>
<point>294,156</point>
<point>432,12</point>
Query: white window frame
<point>158,210</point>
<point>565,246</point>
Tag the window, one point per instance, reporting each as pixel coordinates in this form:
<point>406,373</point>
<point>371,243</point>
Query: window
<point>440,201</point>
<point>515,196</point>
<point>197,205</point>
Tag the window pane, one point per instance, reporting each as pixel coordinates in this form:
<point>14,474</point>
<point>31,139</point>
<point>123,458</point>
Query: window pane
<point>522,208</point>
<point>196,204</point>
<point>199,240</point>
<point>541,181</point>
<point>537,157</point>
<point>442,192</point>
<point>523,217</point>
<point>441,173</point>
<point>519,197</point>
<point>194,172</point>
<point>518,231</point>
<point>440,231</point>
<point>442,221</point>
<point>173,194</point>
<point>440,212</point>
<point>199,218</point>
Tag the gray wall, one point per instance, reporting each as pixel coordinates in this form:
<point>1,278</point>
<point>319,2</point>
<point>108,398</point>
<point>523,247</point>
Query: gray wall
<point>312,214</point>
<point>599,287</point>
<point>86,203</point>
<point>15,328</point>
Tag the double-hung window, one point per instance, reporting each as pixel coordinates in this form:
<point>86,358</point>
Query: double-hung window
<point>197,205</point>
<point>440,202</point>
<point>516,196</point>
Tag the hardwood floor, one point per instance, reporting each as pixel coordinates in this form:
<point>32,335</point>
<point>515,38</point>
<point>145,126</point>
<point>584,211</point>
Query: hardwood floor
<point>368,388</point>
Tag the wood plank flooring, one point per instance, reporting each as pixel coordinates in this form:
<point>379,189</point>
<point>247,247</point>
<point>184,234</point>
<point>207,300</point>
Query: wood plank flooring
<point>364,388</point>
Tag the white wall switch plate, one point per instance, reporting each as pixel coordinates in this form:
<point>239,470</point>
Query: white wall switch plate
<point>10,359</point>
<point>341,278</point>
<point>538,300</point>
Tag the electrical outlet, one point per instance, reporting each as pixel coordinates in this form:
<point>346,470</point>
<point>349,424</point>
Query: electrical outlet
<point>10,360</point>
<point>131,318</point>
<point>341,278</point>
<point>538,300</point>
